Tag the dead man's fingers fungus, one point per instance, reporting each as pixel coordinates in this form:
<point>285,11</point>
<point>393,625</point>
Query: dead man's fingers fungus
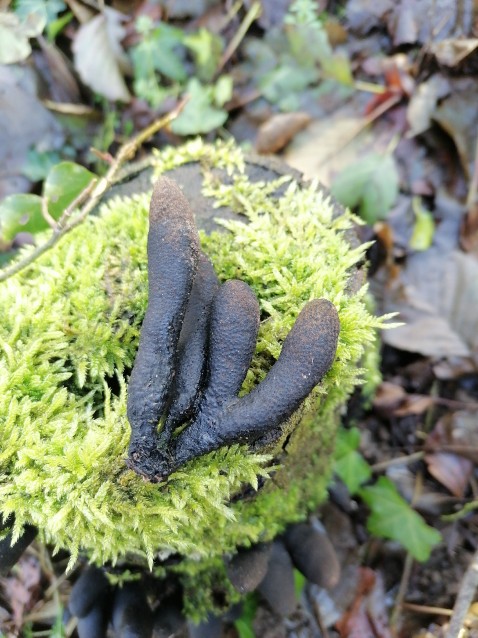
<point>173,253</point>
<point>196,345</point>
<point>307,354</point>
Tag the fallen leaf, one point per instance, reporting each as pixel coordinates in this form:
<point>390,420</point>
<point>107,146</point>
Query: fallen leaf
<point>15,35</point>
<point>424,227</point>
<point>279,130</point>
<point>99,57</point>
<point>469,230</point>
<point>451,470</point>
<point>453,51</point>
<point>370,184</point>
<point>458,116</point>
<point>423,103</point>
<point>456,432</point>
<point>437,299</point>
<point>388,397</point>
<point>25,124</point>
<point>22,588</point>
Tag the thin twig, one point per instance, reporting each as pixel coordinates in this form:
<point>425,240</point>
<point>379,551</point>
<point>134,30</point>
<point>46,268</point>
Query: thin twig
<point>427,609</point>
<point>93,193</point>
<point>401,460</point>
<point>46,213</point>
<point>469,584</point>
<point>253,13</point>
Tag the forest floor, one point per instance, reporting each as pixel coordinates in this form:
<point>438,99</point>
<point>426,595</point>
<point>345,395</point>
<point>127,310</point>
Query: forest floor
<point>377,100</point>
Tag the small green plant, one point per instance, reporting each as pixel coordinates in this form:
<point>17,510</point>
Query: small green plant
<point>391,516</point>
<point>34,214</point>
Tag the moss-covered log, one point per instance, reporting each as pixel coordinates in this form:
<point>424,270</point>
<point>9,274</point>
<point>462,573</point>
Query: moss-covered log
<point>69,333</point>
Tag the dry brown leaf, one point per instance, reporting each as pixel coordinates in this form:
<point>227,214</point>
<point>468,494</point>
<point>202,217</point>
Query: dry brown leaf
<point>99,57</point>
<point>437,299</point>
<point>388,397</point>
<point>458,116</point>
<point>279,130</point>
<point>451,470</point>
<point>423,103</point>
<point>452,51</point>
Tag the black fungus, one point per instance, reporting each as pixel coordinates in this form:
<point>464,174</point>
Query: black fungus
<point>89,589</point>
<point>277,588</point>
<point>210,628</point>
<point>9,554</point>
<point>94,624</point>
<point>132,616</point>
<point>196,345</point>
<point>173,252</point>
<point>248,567</point>
<point>313,554</point>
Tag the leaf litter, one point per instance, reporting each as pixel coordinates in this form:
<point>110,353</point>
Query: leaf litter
<point>380,104</point>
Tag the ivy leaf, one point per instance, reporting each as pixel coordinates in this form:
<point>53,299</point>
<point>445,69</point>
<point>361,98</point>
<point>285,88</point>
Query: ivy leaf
<point>64,183</point>
<point>350,465</point>
<point>206,48</point>
<point>39,164</point>
<point>371,184</point>
<point>47,9</point>
<point>20,214</point>
<point>392,517</point>
<point>199,114</point>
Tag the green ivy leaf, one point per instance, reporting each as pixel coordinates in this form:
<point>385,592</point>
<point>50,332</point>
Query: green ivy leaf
<point>199,115</point>
<point>63,184</point>
<point>39,164</point>
<point>206,48</point>
<point>371,184</point>
<point>392,517</point>
<point>20,213</point>
<point>350,465</point>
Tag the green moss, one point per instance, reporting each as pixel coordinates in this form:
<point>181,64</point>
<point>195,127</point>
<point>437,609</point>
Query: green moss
<point>69,328</point>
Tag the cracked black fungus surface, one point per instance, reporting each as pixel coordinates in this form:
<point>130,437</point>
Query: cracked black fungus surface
<point>196,345</point>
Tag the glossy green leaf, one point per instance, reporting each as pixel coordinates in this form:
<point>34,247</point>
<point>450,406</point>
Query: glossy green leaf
<point>371,185</point>
<point>64,183</point>
<point>20,213</point>
<point>350,465</point>
<point>392,517</point>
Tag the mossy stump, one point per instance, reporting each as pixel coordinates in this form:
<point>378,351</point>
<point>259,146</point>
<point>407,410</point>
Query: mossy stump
<point>68,336</point>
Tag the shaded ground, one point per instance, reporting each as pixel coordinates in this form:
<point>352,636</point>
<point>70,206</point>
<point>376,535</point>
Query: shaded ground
<point>378,101</point>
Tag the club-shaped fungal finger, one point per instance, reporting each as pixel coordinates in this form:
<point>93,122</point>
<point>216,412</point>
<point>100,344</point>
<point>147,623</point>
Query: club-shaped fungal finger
<point>313,554</point>
<point>132,616</point>
<point>173,251</point>
<point>90,588</point>
<point>9,554</point>
<point>278,585</point>
<point>307,355</point>
<point>94,624</point>
<point>247,568</point>
<point>209,628</point>
<point>232,342</point>
<point>192,347</point>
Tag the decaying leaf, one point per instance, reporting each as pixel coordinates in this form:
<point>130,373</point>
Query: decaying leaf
<point>437,299</point>
<point>452,51</point>
<point>370,184</point>
<point>451,470</point>
<point>278,131</point>
<point>423,103</point>
<point>99,57</point>
<point>458,116</point>
<point>15,36</point>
